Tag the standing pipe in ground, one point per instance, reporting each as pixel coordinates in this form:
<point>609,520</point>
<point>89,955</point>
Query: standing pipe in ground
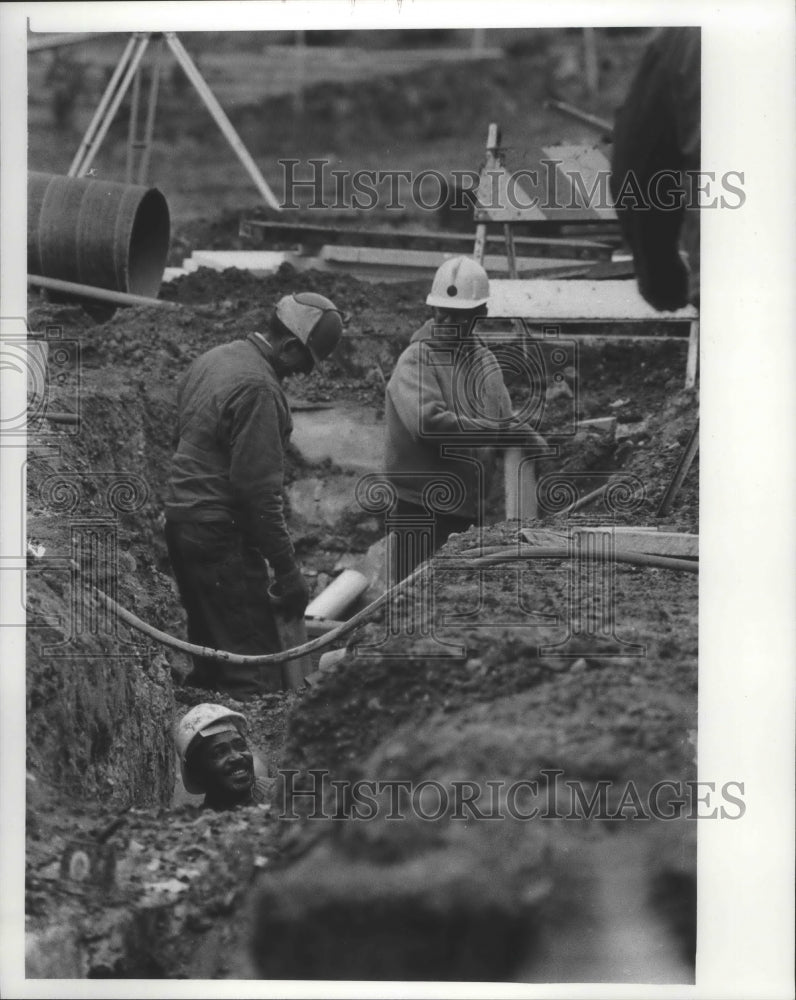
<point>97,233</point>
<point>520,484</point>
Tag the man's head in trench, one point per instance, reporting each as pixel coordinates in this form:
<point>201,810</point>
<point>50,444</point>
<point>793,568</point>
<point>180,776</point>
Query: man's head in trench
<point>215,757</point>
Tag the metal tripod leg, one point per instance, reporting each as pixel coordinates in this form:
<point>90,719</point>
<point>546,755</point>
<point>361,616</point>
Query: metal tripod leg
<point>132,130</point>
<point>99,114</point>
<point>146,154</point>
<point>220,118</point>
<point>139,149</point>
<point>91,144</point>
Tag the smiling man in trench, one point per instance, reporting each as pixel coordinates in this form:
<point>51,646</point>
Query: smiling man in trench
<point>215,758</point>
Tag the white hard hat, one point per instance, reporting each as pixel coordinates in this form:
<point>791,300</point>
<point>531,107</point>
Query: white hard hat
<point>314,320</point>
<point>203,720</point>
<point>460,283</point>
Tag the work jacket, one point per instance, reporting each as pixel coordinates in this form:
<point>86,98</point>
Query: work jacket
<point>234,424</point>
<point>445,393</point>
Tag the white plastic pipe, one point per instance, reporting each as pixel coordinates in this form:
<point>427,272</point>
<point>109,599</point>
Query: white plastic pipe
<point>340,593</point>
<point>519,483</point>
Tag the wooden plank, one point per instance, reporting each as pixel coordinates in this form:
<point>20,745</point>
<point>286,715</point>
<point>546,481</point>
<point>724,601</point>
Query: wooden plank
<point>314,237</point>
<point>384,257</point>
<point>503,197</point>
<point>593,169</point>
<point>626,539</point>
<point>637,334</point>
<point>498,198</point>
<point>577,301</point>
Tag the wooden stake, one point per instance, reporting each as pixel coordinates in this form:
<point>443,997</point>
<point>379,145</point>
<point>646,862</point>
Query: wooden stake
<point>692,363</point>
<point>685,463</point>
<point>492,143</point>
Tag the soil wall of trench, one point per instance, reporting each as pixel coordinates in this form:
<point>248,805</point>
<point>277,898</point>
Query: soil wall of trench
<point>444,899</point>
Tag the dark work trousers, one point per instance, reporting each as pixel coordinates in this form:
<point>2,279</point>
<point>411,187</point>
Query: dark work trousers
<point>223,584</point>
<point>414,540</point>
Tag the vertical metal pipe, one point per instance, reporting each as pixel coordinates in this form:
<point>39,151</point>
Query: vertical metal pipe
<point>133,127</point>
<point>519,484</point>
<point>143,168</point>
<point>511,482</point>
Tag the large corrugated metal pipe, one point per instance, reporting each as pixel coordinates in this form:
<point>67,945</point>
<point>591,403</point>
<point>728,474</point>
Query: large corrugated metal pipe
<point>98,233</point>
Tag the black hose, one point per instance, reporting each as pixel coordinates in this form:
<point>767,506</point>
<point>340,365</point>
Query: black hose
<point>491,556</point>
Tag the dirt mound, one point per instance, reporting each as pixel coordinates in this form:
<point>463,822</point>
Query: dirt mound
<point>519,704</point>
<point>499,709</point>
<point>508,653</point>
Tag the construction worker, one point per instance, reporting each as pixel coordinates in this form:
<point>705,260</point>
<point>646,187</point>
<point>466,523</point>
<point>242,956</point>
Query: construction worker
<point>225,523</point>
<point>433,407</point>
<point>215,759</point>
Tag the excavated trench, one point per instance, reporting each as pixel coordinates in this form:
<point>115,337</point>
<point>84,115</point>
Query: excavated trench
<point>481,694</point>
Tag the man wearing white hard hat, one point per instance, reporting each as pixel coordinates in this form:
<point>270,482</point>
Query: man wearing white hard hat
<point>225,524</point>
<point>432,407</point>
<point>215,759</point>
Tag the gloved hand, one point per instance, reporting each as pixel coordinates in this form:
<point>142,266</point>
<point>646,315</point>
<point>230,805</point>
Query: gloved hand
<point>290,594</point>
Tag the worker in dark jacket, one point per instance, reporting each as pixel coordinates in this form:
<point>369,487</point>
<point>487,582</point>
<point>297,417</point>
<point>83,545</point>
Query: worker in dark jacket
<point>225,523</point>
<point>445,393</point>
<point>657,144</point>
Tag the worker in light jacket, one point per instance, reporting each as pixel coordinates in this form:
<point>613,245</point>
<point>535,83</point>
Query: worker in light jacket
<point>445,395</point>
<point>225,526</point>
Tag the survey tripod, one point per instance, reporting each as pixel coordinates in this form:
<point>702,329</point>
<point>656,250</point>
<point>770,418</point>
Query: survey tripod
<point>139,146</point>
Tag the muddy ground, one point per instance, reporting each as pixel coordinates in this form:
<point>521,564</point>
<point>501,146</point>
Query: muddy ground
<point>256,892</point>
<point>496,709</point>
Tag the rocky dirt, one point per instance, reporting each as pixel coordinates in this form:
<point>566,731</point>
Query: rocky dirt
<point>498,711</point>
<point>254,892</point>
